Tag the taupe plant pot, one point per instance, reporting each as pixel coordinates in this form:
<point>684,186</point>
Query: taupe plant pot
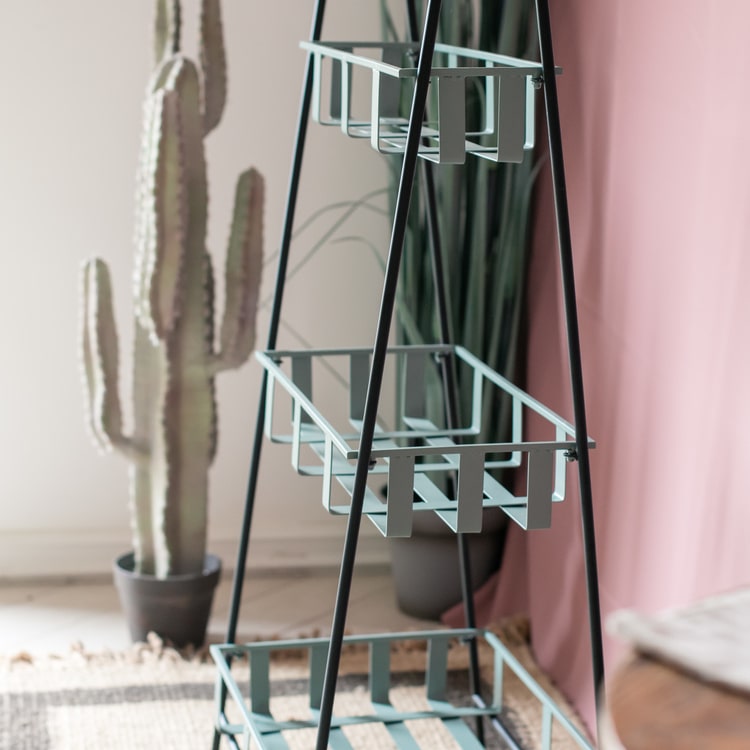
<point>426,570</point>
<point>176,608</point>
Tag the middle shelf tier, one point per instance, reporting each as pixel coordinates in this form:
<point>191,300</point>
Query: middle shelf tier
<point>424,466</point>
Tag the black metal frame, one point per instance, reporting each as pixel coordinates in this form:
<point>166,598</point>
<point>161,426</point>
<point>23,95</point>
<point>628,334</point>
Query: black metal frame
<point>408,172</point>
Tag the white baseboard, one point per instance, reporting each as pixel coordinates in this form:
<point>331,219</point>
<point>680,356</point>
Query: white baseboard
<point>75,554</point>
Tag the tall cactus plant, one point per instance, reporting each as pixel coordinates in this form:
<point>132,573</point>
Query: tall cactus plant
<point>175,356</point>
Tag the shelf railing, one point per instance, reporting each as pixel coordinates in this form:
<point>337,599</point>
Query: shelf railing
<point>418,454</point>
<point>505,87</point>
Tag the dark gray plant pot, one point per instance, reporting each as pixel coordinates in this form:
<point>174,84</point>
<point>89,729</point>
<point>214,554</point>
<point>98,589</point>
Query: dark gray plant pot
<point>176,608</point>
<point>426,571</point>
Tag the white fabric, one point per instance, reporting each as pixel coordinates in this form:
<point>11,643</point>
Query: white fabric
<point>709,639</point>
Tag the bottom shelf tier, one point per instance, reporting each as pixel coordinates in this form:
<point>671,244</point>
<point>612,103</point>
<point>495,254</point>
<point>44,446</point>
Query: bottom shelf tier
<point>409,719</point>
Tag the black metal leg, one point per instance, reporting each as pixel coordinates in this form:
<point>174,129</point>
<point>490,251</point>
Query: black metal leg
<point>273,329</point>
<point>450,385</point>
<point>388,299</point>
<point>574,347</point>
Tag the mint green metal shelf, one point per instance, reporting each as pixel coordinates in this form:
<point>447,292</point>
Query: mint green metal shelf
<point>414,455</point>
<point>505,85</point>
<point>255,721</point>
<point>359,88</point>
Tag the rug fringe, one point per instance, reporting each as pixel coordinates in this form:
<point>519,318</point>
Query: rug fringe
<point>513,631</point>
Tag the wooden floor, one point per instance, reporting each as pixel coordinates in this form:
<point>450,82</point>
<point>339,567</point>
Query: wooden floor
<point>49,617</point>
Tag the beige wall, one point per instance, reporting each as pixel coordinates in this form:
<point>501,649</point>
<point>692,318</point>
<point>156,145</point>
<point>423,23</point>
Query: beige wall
<point>72,77</point>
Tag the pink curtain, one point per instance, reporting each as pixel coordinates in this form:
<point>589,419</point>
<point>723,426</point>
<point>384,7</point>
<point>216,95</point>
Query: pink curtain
<point>655,105</point>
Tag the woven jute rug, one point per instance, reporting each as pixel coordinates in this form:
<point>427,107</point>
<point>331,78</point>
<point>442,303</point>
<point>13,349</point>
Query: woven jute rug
<point>152,696</point>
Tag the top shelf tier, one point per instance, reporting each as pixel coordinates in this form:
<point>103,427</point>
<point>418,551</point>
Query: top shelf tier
<point>481,103</point>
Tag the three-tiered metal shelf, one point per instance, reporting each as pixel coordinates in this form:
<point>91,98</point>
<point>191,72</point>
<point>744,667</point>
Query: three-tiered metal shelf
<point>439,466</point>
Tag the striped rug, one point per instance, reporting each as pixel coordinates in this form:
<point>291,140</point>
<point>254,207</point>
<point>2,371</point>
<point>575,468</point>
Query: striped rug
<point>153,697</point>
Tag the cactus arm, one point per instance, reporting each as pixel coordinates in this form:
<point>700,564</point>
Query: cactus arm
<point>167,27</point>
<point>146,220</point>
<point>99,357</point>
<point>185,83</point>
<point>243,272</point>
<point>164,221</point>
<point>213,64</point>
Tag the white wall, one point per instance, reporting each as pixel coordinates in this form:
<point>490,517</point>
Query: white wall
<point>72,75</point>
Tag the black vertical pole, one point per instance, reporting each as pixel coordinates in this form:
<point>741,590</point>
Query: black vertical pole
<point>450,385</point>
<point>273,329</point>
<point>574,346</point>
<point>385,317</point>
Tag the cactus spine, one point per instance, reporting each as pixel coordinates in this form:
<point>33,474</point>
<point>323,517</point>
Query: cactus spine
<point>173,439</point>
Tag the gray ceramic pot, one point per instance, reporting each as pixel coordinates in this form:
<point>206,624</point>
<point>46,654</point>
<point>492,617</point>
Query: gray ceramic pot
<point>176,608</point>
